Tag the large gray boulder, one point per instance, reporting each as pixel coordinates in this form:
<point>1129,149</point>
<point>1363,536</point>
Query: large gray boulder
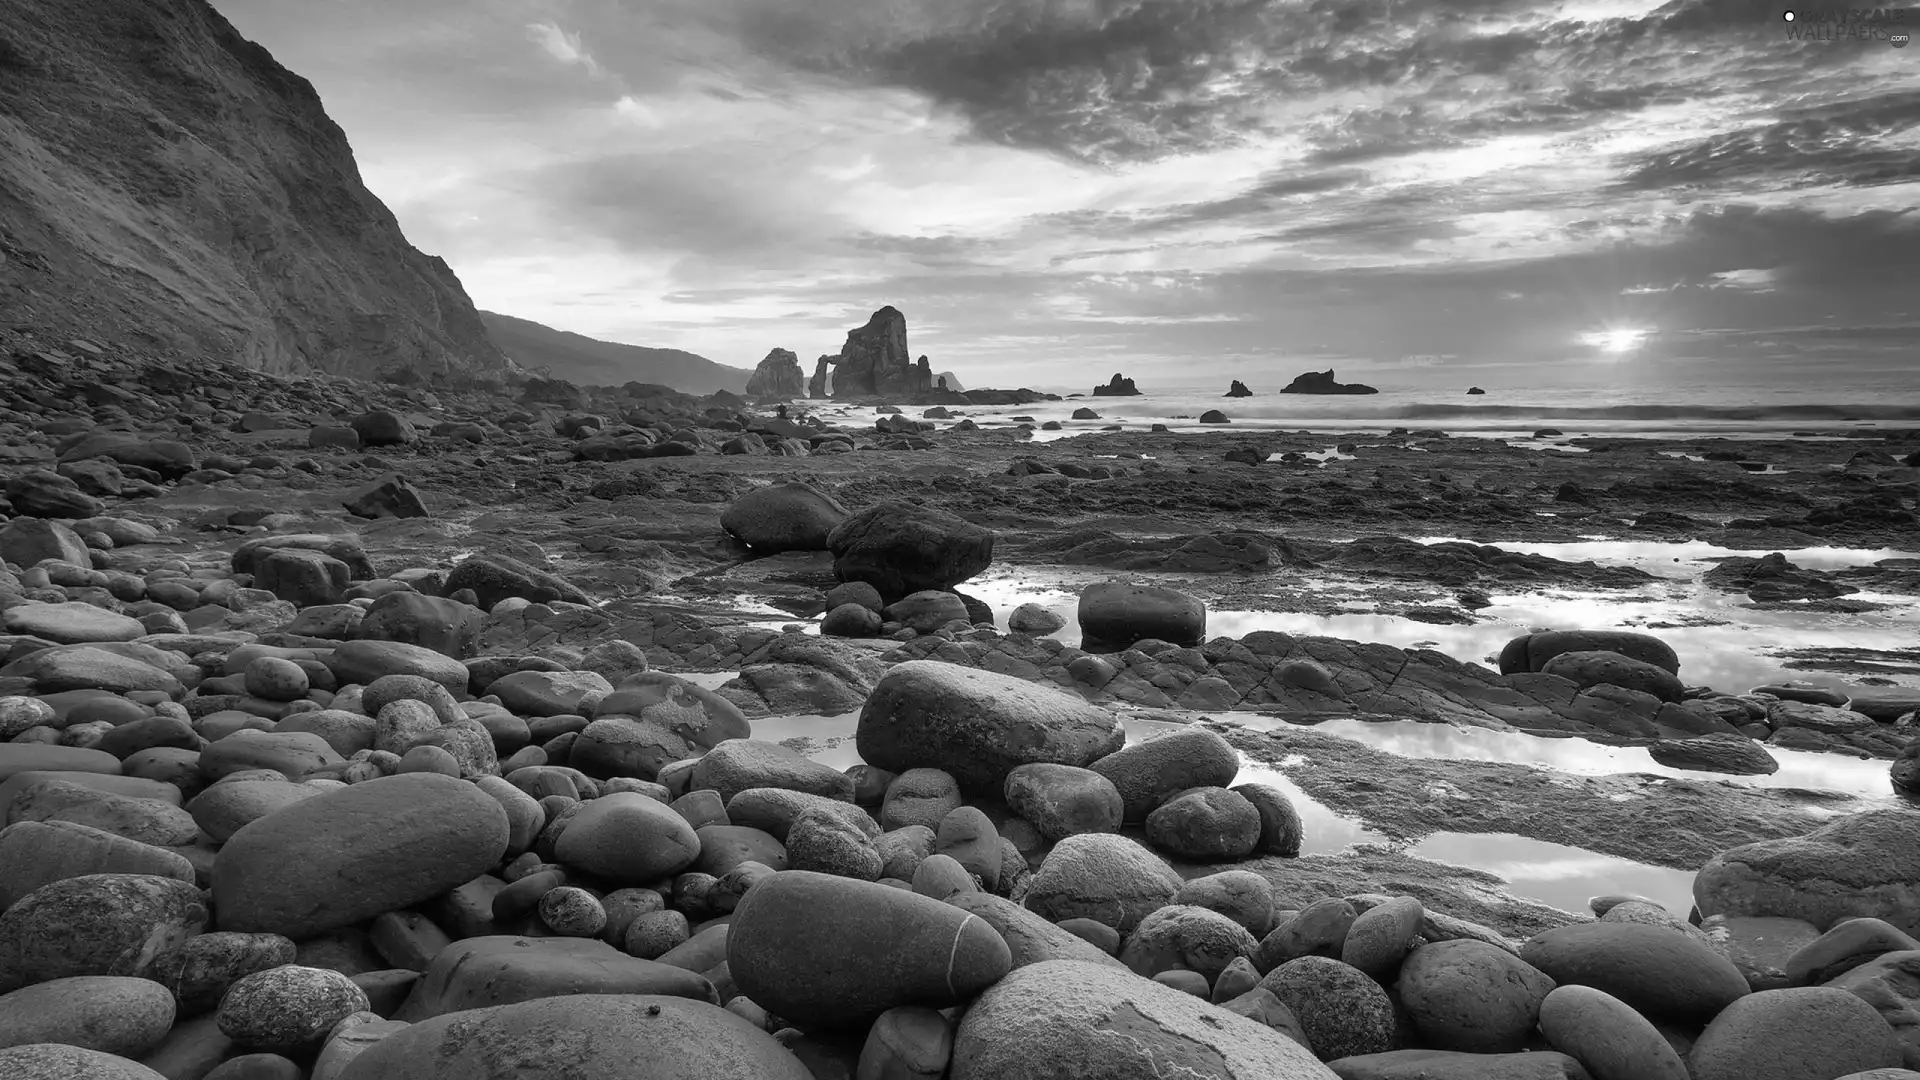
<point>783,517</point>
<point>1863,864</point>
<point>977,725</point>
<point>900,548</point>
<point>1068,1018</point>
<point>1117,614</point>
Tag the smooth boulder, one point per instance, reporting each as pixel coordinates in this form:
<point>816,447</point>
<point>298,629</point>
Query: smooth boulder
<point>1862,864</point>
<point>836,953</point>
<point>1066,1018</point>
<point>977,725</point>
<point>346,856</point>
<point>581,1037</point>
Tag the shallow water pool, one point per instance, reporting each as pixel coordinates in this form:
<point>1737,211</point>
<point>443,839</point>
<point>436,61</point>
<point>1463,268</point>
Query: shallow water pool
<point>1556,874</point>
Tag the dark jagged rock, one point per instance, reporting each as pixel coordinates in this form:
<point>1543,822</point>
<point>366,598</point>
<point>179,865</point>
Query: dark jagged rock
<point>1475,391</point>
<point>1321,382</point>
<point>1772,579</point>
<point>818,385</point>
<point>778,376</point>
<point>1118,386</point>
<point>1238,389</point>
<point>875,363</point>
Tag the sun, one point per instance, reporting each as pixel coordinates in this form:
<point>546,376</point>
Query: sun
<point>1619,340</point>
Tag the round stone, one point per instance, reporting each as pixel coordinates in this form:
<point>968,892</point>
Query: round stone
<point>288,1008</point>
<point>1148,773</point>
<point>592,1036</point>
<point>825,842</point>
<point>836,953</point>
<point>110,1013</point>
<point>1341,1010</point>
<point>275,679</point>
<point>1655,969</point>
<point>977,725</point>
<point>1120,614</point>
<point>97,924</point>
<point>1380,936</point>
<point>1240,895</point>
<point>628,838</point>
<point>1067,1018</point>
<point>58,1061</point>
<point>1064,800</point>
<point>653,934</point>
<point>1188,938</point>
<point>1607,1035</point>
<point>1280,829</point>
<point>1471,996</point>
<point>1101,876</point>
<point>919,797</point>
<point>1791,1033</point>
<point>1205,825</point>
<point>572,912</point>
<point>353,853</point>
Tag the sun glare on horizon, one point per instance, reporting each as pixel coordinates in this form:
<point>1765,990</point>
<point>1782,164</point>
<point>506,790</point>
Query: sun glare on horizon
<point>1616,341</point>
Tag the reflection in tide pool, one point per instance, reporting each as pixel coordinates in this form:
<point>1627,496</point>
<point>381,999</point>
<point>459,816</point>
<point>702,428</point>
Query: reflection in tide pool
<point>1565,877</point>
<point>1866,778</point>
<point>1734,655</point>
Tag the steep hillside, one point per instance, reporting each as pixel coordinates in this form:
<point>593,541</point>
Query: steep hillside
<point>166,185</point>
<point>590,362</point>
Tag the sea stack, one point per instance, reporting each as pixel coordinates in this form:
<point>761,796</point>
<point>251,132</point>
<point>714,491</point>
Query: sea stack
<point>1322,382</point>
<point>1238,389</point>
<point>778,376</point>
<point>1118,386</point>
<point>875,363</point>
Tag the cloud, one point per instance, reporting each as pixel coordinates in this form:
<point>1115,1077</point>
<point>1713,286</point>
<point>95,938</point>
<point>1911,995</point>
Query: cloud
<point>563,46</point>
<point>1163,184</point>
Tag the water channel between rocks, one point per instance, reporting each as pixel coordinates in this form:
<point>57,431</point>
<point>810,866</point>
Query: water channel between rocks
<point>1723,641</point>
<point>1556,874</point>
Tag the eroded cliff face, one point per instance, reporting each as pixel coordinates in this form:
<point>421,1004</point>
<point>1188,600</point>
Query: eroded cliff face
<point>166,185</point>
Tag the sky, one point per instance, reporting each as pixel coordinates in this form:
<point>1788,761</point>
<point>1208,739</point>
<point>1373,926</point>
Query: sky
<point>1417,191</point>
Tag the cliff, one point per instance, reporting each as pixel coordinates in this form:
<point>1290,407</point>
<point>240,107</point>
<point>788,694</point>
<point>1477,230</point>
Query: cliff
<point>778,376</point>
<point>166,185</point>
<point>592,362</point>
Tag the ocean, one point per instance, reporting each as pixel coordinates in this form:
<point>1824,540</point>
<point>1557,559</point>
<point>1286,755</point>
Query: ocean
<point>1856,408</point>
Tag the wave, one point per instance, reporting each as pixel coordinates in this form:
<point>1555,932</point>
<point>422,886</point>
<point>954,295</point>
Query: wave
<point>1802,411</point>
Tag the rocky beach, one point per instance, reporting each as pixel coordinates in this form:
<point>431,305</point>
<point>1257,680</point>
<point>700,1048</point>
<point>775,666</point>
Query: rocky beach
<point>396,690</point>
<point>357,729</point>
